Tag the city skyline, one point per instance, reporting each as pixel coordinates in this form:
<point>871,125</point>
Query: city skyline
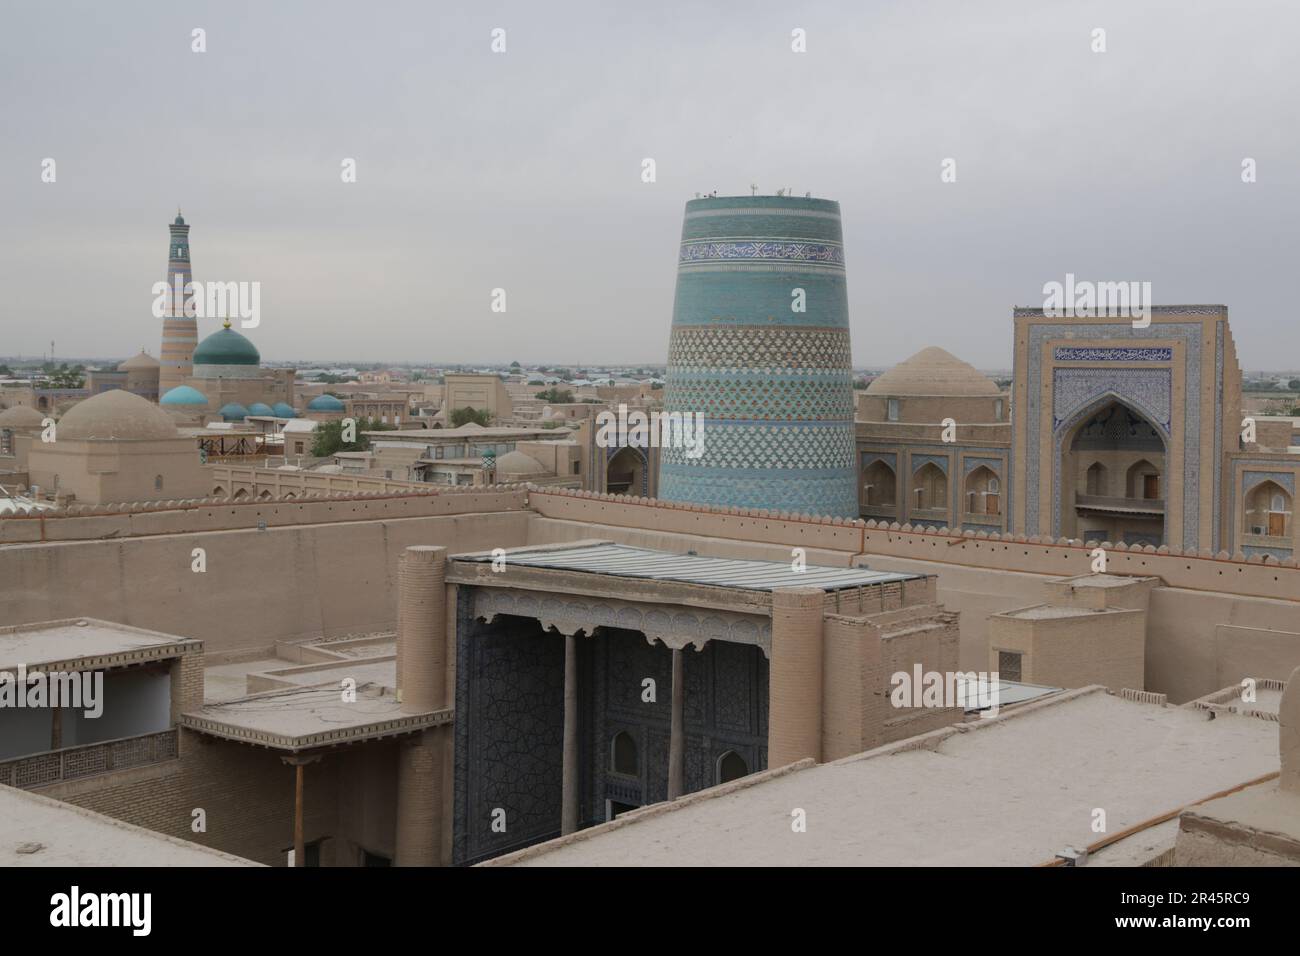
<point>479,170</point>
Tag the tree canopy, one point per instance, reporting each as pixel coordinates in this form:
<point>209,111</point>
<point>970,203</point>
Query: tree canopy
<point>328,438</point>
<point>468,414</point>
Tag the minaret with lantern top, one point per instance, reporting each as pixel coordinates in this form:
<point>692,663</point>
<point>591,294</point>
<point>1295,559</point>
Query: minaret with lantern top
<point>180,333</point>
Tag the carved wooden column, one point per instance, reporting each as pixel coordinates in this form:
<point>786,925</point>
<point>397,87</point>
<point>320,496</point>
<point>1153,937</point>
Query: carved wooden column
<point>676,734</point>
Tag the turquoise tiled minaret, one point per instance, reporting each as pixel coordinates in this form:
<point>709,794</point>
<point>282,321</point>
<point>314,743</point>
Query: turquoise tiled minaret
<point>774,384</point>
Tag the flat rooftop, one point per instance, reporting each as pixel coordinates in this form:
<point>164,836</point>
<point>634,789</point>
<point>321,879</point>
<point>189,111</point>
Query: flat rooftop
<point>366,658</point>
<point>1104,581</point>
<point>617,560</point>
<point>308,718</point>
<point>1040,612</point>
<point>38,831</point>
<point>86,642</point>
<point>452,434</point>
<point>1013,790</point>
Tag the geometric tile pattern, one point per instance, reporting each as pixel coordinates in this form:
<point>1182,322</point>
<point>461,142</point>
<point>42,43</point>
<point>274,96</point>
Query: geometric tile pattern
<point>1147,390</point>
<point>749,396</point>
<point>774,386</point>
<point>770,446</point>
<point>1127,383</point>
<point>765,348</point>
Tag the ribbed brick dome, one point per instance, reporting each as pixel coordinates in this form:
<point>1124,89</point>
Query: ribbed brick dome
<point>933,371</point>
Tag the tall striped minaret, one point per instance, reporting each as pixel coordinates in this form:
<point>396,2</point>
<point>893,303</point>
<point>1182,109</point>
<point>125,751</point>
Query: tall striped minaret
<point>180,332</point>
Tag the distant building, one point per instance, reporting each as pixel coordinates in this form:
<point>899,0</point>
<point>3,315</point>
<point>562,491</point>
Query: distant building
<point>138,375</point>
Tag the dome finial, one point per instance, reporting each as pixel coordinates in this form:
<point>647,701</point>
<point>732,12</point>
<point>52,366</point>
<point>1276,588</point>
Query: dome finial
<point>226,323</point>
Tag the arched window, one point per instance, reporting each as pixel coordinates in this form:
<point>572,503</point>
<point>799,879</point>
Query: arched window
<point>1268,510</point>
<point>878,482</point>
<point>623,757</point>
<point>982,492</point>
<point>731,766</point>
<point>1096,479</point>
<point>930,487</point>
<point>157,482</point>
<point>1143,480</point>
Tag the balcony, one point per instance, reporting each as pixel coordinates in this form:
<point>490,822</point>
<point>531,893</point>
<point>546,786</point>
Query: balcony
<point>888,510</point>
<point>1122,506</point>
<point>73,763</point>
<point>1273,541</point>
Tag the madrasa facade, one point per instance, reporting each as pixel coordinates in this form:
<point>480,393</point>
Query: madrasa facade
<point>1109,433</point>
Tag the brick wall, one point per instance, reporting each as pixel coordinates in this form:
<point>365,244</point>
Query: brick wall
<point>247,794</point>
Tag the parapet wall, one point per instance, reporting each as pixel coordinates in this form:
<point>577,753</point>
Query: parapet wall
<point>271,571</point>
<point>1033,555</point>
<point>257,481</point>
<point>141,519</point>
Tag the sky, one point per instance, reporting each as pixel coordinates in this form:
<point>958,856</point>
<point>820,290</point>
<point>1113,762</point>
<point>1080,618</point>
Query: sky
<point>522,169</point>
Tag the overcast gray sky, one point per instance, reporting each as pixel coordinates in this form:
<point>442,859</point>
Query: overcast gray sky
<point>522,170</point>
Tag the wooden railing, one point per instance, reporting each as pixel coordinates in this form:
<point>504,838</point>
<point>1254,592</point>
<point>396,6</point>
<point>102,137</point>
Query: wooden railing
<point>1104,502</point>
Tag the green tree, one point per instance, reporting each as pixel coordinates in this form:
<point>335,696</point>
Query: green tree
<point>328,438</point>
<point>463,416</point>
<point>1294,384</point>
<point>556,396</point>
<point>65,376</point>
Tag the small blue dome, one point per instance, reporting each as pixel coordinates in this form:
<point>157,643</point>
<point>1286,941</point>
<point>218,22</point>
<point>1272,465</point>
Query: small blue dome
<point>234,412</point>
<point>283,410</point>
<point>183,395</point>
<point>325,403</point>
<point>260,408</point>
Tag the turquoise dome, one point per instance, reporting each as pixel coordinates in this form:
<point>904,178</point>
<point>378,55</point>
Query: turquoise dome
<point>260,408</point>
<point>325,403</point>
<point>183,395</point>
<point>283,410</point>
<point>234,412</point>
<point>226,347</point>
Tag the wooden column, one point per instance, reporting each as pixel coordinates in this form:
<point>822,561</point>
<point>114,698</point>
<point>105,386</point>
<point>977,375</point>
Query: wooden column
<point>676,734</point>
<point>299,764</point>
<point>569,772</point>
<point>299,847</point>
